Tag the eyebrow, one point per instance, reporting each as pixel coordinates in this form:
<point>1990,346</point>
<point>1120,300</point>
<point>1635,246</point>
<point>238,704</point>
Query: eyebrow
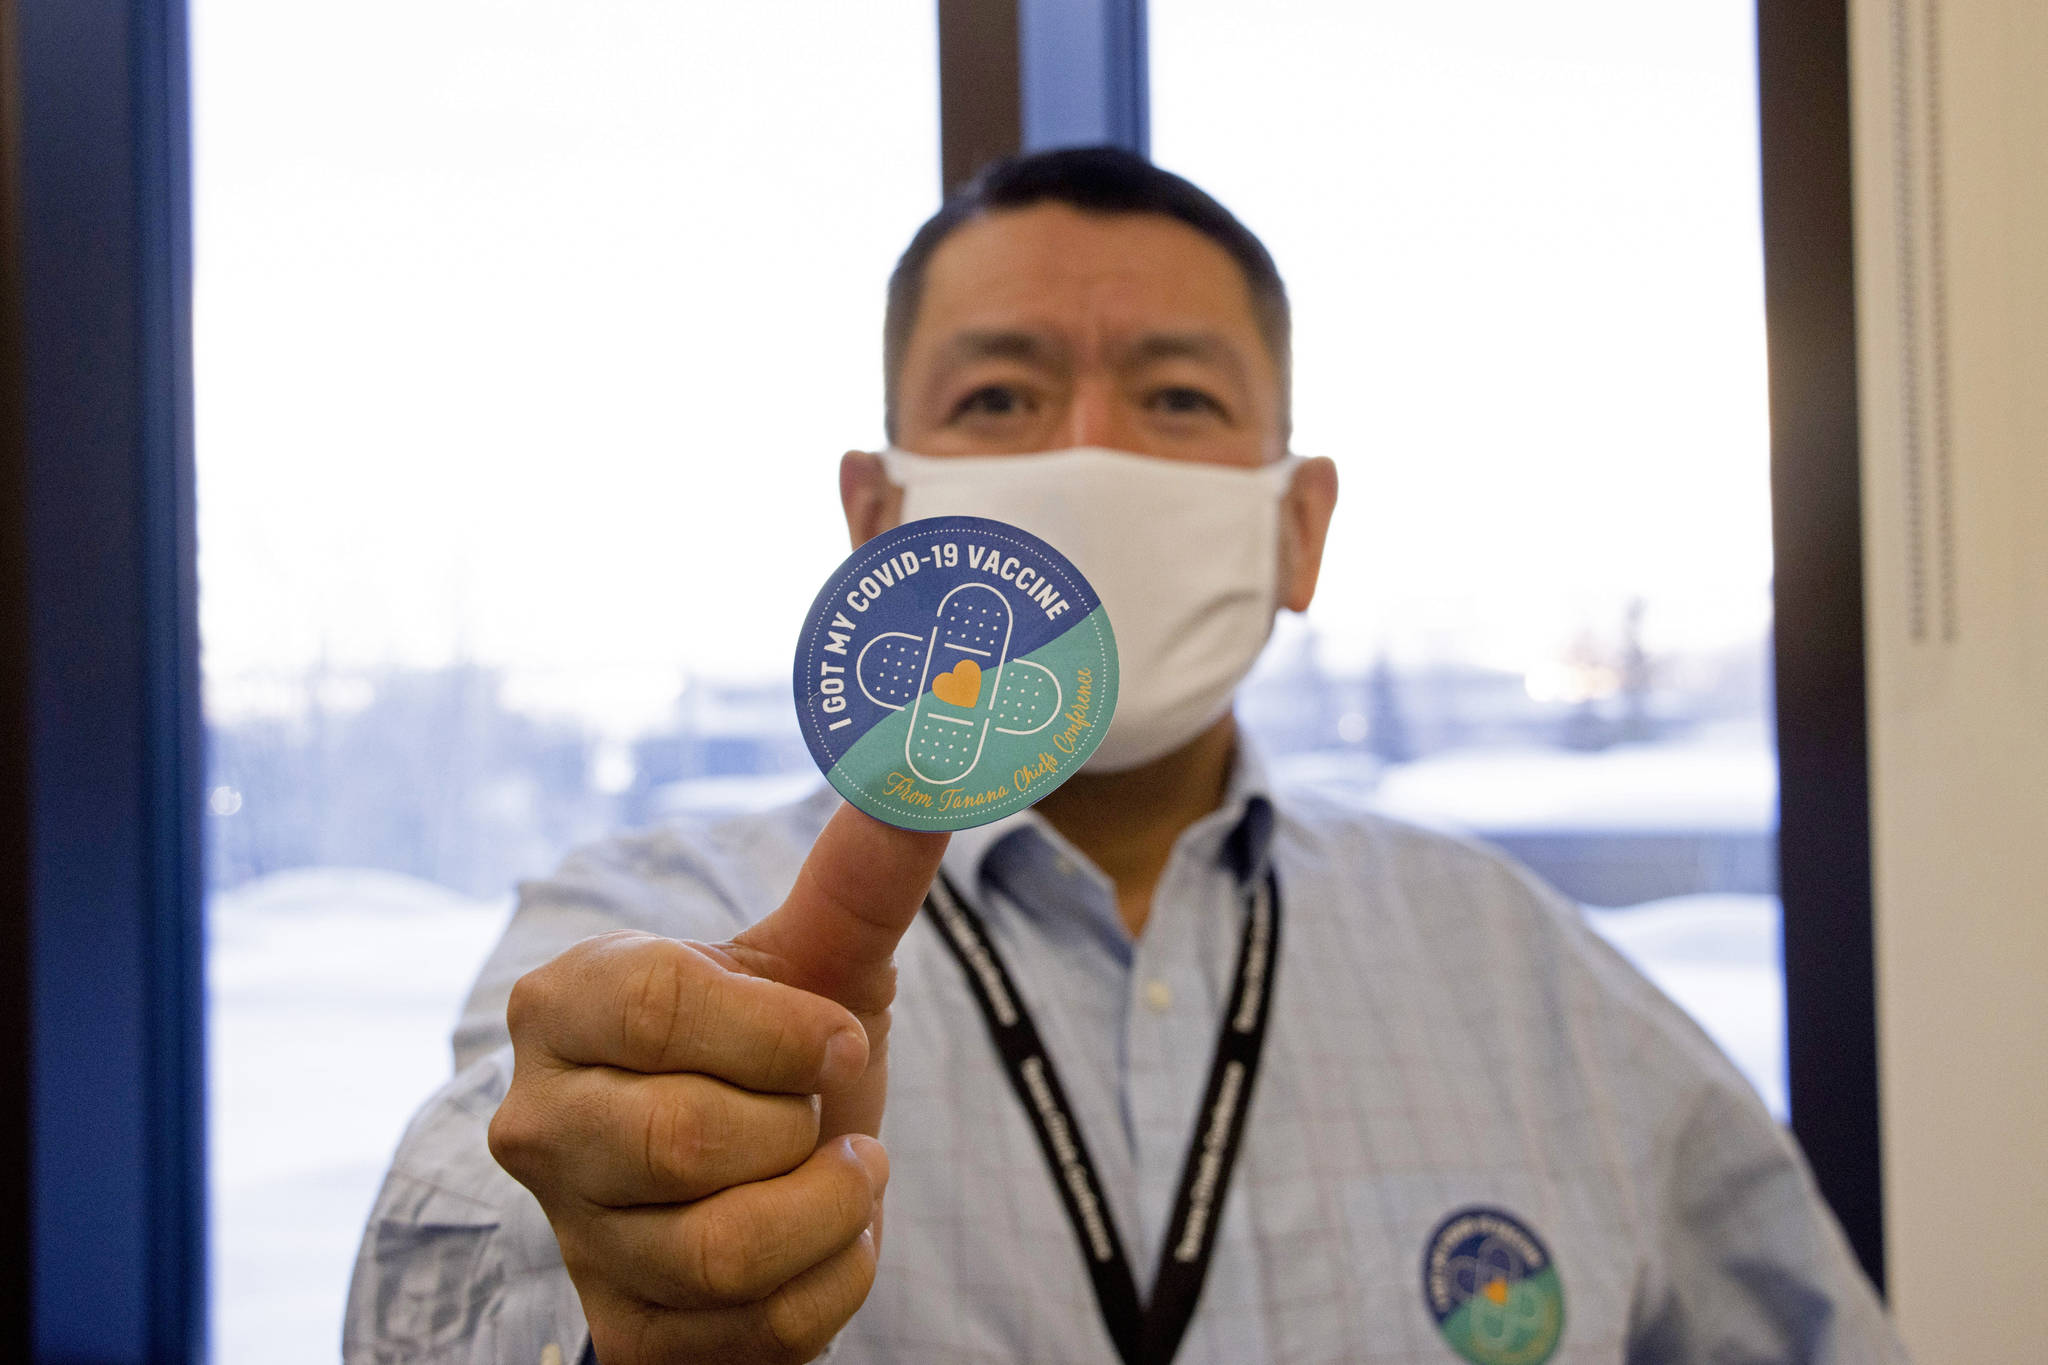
<point>1204,347</point>
<point>1030,348</point>
<point>1044,352</point>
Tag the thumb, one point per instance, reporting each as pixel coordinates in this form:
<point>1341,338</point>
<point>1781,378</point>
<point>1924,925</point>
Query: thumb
<point>837,932</point>
<point>854,897</point>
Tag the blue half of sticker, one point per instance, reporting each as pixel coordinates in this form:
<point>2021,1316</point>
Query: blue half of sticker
<point>1489,1282</point>
<point>953,671</point>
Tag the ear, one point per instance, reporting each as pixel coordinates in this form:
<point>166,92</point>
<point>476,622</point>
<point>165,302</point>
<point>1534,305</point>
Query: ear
<point>1304,528</point>
<point>872,504</point>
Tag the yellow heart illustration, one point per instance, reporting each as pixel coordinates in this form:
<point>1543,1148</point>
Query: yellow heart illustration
<point>961,687</point>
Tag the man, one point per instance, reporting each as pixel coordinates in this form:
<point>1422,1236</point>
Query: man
<point>1469,1131</point>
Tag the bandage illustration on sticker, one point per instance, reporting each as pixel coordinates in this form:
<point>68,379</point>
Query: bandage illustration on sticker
<point>953,671</point>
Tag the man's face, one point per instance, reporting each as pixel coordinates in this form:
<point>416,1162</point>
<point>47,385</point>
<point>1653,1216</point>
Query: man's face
<point>1045,327</point>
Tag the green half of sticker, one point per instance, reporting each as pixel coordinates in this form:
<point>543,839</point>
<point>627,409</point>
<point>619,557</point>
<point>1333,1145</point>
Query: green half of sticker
<point>953,671</point>
<point>1491,1286</point>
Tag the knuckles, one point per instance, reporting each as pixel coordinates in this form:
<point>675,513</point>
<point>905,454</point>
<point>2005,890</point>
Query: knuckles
<point>724,1257</point>
<point>800,1320</point>
<point>664,998</point>
<point>729,1254</point>
<point>529,1003</point>
<point>681,1138</point>
<point>664,994</point>
<point>710,1131</point>
<point>655,985</point>
<point>792,1334</point>
<point>516,1142</point>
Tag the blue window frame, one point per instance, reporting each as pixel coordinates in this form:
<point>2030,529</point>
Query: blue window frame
<point>105,634</point>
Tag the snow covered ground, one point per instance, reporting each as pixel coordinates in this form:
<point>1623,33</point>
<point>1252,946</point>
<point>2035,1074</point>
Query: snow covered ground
<point>333,992</point>
<point>1715,781</point>
<point>1718,957</point>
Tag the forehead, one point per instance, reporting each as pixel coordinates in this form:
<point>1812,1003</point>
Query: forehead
<point>1053,266</point>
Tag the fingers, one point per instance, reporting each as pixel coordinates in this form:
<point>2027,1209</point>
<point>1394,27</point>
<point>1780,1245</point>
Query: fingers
<point>794,1323</point>
<point>648,1004</point>
<point>854,896</point>
<point>661,1109</point>
<point>741,1245</point>
<point>805,1313</point>
<point>619,1139</point>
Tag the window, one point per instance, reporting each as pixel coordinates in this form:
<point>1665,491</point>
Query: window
<point>1524,249</point>
<point>523,338</point>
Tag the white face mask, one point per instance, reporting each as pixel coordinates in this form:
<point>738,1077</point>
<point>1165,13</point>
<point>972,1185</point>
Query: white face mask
<point>1185,556</point>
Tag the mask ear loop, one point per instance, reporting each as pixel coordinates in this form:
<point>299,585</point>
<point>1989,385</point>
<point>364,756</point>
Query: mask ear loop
<point>1279,475</point>
<point>901,467</point>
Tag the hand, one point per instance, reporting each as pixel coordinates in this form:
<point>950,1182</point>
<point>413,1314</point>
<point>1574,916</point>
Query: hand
<point>698,1120</point>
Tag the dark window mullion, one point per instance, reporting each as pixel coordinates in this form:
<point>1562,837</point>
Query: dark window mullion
<point>1022,75</point>
<point>1823,764</point>
<point>980,105</point>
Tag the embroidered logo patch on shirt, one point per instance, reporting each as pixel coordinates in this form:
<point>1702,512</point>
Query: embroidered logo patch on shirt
<point>1491,1286</point>
<point>954,670</point>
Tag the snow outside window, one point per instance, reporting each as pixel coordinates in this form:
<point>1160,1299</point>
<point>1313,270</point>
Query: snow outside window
<point>518,327</point>
<point>512,332</point>
<point>1523,244</point>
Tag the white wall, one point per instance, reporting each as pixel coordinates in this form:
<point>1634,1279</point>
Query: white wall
<point>1956,562</point>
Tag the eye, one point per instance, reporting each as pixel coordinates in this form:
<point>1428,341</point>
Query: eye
<point>991,400</point>
<point>1181,401</point>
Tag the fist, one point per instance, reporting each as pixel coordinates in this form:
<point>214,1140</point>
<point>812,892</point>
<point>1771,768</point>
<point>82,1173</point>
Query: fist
<point>697,1120</point>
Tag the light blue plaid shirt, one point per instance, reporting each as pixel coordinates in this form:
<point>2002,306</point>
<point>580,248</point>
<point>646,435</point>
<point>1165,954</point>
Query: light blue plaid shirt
<point>1445,1033</point>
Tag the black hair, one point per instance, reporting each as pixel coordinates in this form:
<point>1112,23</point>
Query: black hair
<point>1106,180</point>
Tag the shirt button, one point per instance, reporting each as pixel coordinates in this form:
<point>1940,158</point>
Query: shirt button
<point>1158,997</point>
<point>1065,865</point>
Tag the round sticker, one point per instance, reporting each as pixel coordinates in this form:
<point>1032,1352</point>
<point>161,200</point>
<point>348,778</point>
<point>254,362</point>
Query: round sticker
<point>953,671</point>
<point>1490,1284</point>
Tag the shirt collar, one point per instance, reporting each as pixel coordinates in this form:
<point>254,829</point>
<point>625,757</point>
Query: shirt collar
<point>1247,832</point>
<point>1240,829</point>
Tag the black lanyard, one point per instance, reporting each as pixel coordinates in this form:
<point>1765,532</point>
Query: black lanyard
<point>1151,1333</point>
